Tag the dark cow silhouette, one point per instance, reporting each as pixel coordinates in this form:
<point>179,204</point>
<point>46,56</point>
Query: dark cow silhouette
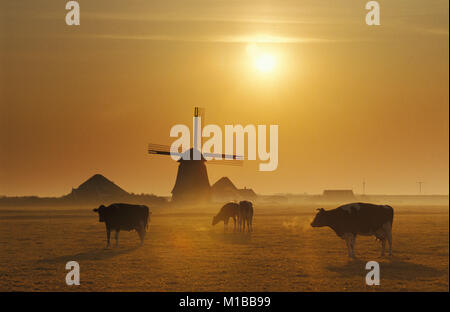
<point>245,216</point>
<point>229,210</point>
<point>125,217</point>
<point>349,220</point>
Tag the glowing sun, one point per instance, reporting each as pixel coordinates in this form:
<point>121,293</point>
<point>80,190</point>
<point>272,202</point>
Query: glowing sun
<point>263,61</point>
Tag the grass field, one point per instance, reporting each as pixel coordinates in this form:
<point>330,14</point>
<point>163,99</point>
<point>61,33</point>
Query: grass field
<point>183,252</point>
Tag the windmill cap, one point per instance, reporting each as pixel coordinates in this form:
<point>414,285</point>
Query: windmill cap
<point>190,153</point>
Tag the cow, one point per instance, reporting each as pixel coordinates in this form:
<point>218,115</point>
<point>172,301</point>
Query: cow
<point>245,215</point>
<point>229,210</point>
<point>125,217</point>
<point>350,220</point>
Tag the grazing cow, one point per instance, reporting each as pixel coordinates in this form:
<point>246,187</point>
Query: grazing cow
<point>229,210</point>
<point>245,215</point>
<point>124,217</point>
<point>358,218</point>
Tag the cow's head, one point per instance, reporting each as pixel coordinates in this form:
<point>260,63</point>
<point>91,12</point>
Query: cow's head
<point>320,219</point>
<point>215,220</point>
<point>101,213</point>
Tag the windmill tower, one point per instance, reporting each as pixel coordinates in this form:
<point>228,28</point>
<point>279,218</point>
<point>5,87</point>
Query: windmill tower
<point>192,183</point>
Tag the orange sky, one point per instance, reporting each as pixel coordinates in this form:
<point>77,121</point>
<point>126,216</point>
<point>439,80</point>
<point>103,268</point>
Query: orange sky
<point>352,102</point>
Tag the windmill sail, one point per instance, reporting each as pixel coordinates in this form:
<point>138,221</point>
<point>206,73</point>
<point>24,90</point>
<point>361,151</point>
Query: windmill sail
<point>160,149</point>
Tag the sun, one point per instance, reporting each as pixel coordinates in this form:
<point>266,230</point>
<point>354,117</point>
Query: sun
<point>263,61</point>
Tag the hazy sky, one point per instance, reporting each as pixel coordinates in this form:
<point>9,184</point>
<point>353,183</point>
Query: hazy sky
<point>352,102</point>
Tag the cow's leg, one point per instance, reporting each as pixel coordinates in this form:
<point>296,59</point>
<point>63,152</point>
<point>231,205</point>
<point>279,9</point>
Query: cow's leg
<point>141,232</point>
<point>108,237</point>
<point>383,246</point>
<point>240,223</point>
<point>348,242</point>
<point>353,242</point>
<point>390,243</point>
<point>225,224</point>
<point>117,237</point>
<point>388,229</point>
<point>234,219</point>
<point>142,235</point>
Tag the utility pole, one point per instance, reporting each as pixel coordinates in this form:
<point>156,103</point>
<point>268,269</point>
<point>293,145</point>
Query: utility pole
<point>364,186</point>
<point>420,186</point>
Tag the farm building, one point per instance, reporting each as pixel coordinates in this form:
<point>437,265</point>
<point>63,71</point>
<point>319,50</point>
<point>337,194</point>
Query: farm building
<point>338,195</point>
<point>225,190</point>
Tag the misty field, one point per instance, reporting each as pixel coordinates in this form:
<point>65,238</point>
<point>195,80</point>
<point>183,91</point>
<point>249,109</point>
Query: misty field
<point>183,252</point>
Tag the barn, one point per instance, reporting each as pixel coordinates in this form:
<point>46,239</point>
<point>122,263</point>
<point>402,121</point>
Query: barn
<point>338,195</point>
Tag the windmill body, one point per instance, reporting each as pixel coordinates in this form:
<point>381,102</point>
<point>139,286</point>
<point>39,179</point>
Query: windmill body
<point>192,183</point>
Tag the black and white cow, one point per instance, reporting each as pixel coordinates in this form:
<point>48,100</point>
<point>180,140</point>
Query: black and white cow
<point>124,217</point>
<point>350,220</point>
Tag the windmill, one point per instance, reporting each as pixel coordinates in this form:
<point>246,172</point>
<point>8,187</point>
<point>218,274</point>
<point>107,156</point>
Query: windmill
<point>192,183</point>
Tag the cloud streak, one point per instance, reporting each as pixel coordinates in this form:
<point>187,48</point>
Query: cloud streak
<point>214,39</point>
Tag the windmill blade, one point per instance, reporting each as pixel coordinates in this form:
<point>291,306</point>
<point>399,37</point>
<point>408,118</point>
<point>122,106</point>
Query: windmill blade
<point>226,162</point>
<point>199,114</point>
<point>160,149</point>
<point>223,156</point>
